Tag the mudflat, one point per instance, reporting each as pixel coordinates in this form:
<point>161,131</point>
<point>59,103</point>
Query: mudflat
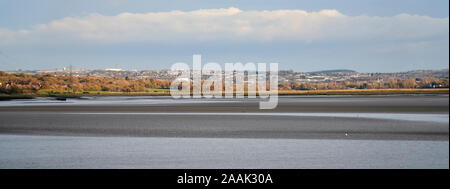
<point>414,117</point>
<point>360,104</point>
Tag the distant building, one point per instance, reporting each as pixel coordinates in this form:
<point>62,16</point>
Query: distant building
<point>113,69</point>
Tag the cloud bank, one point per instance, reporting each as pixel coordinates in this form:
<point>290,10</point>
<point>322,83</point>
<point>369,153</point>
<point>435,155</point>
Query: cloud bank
<point>231,24</point>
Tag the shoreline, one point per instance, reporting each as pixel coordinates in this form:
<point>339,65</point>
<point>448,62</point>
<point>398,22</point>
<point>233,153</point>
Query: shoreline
<point>5,97</point>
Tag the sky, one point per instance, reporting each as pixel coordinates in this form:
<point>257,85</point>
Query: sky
<point>363,35</point>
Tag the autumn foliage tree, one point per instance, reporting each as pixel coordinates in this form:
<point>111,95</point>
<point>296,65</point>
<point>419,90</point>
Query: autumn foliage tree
<point>28,83</point>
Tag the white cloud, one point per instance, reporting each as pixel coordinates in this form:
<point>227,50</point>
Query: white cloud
<point>231,24</point>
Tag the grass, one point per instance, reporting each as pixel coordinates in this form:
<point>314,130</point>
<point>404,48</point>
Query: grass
<point>364,92</point>
<point>15,96</point>
<point>157,90</point>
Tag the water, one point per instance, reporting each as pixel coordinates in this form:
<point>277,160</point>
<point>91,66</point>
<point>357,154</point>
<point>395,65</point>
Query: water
<point>113,100</point>
<point>19,151</point>
<point>160,132</point>
<point>439,118</point>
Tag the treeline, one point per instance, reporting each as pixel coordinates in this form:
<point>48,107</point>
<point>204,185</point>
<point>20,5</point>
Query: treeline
<point>409,83</point>
<point>33,83</point>
<point>27,83</point>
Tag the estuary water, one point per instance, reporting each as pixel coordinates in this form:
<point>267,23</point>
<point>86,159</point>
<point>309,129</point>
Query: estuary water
<point>180,153</point>
<point>161,132</point>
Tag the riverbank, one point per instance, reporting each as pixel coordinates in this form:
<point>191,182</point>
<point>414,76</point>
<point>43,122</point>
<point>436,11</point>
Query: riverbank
<point>166,92</point>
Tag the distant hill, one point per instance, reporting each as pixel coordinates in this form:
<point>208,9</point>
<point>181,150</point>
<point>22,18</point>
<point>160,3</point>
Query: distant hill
<point>333,71</point>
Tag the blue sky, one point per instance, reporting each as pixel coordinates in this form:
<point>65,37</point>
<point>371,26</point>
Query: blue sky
<point>365,35</point>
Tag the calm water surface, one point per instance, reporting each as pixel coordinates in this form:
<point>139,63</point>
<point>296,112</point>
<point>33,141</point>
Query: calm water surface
<point>19,151</point>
